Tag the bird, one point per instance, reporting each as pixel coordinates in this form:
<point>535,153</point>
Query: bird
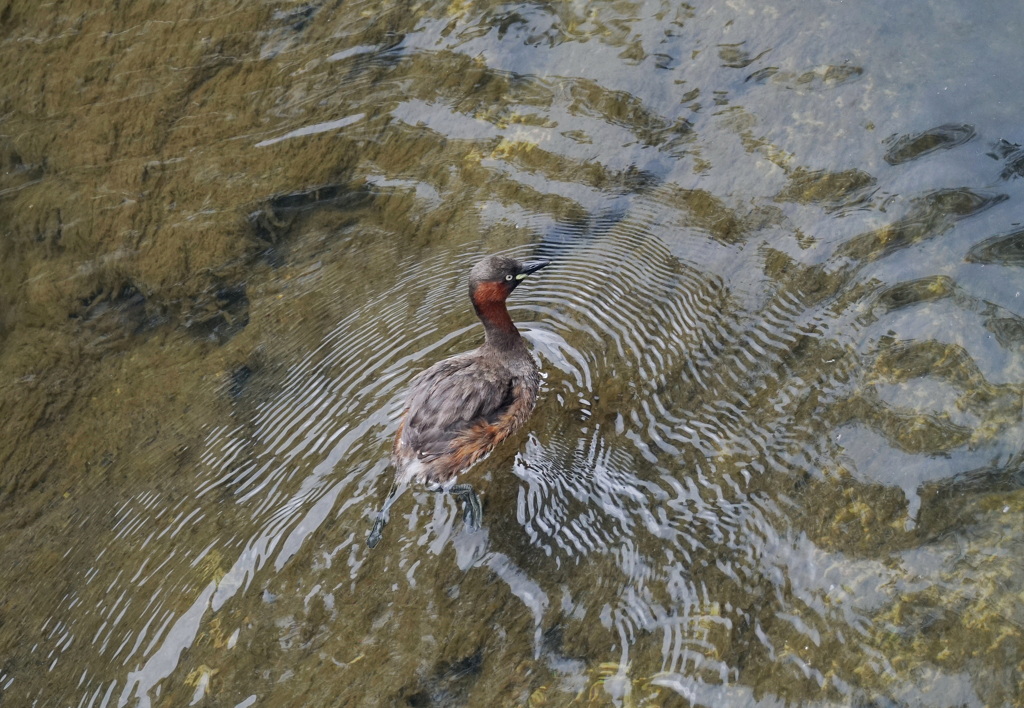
<point>460,408</point>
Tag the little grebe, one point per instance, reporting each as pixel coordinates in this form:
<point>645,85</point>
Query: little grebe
<point>460,408</point>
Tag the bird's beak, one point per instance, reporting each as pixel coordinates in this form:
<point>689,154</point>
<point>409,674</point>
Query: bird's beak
<point>531,267</point>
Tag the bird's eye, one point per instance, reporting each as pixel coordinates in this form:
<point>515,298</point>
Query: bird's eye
<point>508,277</point>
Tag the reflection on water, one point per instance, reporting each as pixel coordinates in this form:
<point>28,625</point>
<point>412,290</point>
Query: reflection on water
<point>776,456</point>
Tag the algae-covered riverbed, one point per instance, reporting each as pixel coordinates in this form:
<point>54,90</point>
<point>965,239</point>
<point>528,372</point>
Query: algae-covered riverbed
<point>777,453</point>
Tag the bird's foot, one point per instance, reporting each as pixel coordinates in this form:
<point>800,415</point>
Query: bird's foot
<point>378,529</point>
<point>472,513</point>
<point>382,516</point>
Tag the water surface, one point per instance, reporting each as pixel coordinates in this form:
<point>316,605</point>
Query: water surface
<point>776,458</point>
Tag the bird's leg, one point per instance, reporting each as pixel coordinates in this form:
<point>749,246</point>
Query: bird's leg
<point>382,516</point>
<point>473,512</point>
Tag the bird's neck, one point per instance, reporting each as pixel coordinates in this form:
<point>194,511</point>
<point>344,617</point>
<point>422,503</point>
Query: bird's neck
<point>489,303</point>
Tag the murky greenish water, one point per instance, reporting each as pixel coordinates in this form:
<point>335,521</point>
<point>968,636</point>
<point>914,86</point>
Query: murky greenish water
<point>777,457</point>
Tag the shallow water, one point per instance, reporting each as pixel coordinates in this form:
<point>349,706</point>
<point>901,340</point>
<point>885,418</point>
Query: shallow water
<point>776,458</point>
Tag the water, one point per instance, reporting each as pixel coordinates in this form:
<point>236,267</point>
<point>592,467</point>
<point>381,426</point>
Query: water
<point>776,457</point>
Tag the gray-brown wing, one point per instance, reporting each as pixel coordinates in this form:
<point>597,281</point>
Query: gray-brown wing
<point>449,397</point>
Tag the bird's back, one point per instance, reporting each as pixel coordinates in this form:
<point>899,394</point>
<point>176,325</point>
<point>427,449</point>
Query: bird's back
<point>459,409</point>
